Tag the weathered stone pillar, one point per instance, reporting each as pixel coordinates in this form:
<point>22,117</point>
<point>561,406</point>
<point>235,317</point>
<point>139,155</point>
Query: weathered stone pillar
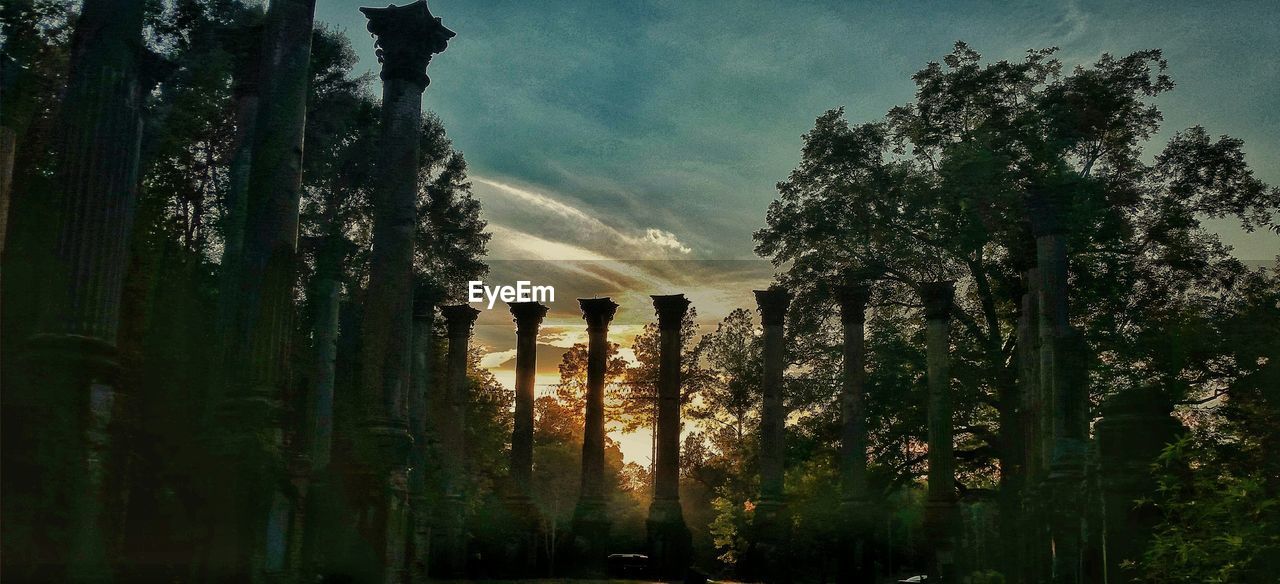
<point>591,521</point>
<point>424,314</point>
<point>856,567</point>
<point>772,521</point>
<point>326,292</point>
<point>1135,427</point>
<point>60,512</point>
<point>451,543</point>
<point>407,38</point>
<point>528,317</point>
<point>246,98</point>
<point>940,505</point>
<point>1035,547</point>
<point>670,544</point>
<point>251,542</point>
<point>1064,388</point>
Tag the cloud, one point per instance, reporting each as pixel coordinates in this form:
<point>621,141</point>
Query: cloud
<point>553,226</point>
<point>665,239</point>
<point>497,359</point>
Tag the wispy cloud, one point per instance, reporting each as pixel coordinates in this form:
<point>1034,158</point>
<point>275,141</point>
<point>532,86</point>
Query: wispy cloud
<point>575,231</point>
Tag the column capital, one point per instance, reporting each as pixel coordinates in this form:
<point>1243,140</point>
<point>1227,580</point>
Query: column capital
<point>459,318</point>
<point>1045,209</point>
<point>407,37</point>
<point>527,315</point>
<point>853,296</point>
<point>938,298</point>
<point>598,312</point>
<point>773,304</point>
<point>671,309</point>
<point>425,299</point>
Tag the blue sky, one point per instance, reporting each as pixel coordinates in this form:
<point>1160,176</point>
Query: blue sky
<point>681,116</point>
<point>627,147</point>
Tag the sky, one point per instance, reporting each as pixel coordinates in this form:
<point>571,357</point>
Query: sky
<point>625,148</point>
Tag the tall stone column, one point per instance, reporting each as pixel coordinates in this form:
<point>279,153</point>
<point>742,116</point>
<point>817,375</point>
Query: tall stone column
<point>407,38</point>
<point>940,504</point>
<point>251,540</point>
<point>591,520</point>
<point>60,510</point>
<point>1136,426</point>
<point>853,297</point>
<point>451,517</point>
<point>528,317</point>
<point>1064,388</point>
<point>772,521</point>
<point>670,544</point>
<point>424,313</point>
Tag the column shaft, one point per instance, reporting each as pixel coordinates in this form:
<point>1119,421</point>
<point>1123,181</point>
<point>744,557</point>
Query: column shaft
<point>252,540</point>
<point>669,538</point>
<point>857,565</point>
<point>940,511</point>
<point>591,520</point>
<point>453,443</point>
<point>1064,392</point>
<point>853,432</point>
<point>771,523</point>
<point>523,562</point>
<point>419,386</point>
<point>407,37</point>
<point>59,421</point>
<point>773,306</point>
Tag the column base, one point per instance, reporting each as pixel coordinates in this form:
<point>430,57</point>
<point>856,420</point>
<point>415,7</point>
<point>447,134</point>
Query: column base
<point>941,524</point>
<point>771,530</point>
<point>521,552</point>
<point>62,518</point>
<point>449,539</point>
<point>857,561</point>
<point>670,544</point>
<point>590,540</point>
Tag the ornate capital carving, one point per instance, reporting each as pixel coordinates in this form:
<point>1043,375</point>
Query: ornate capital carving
<point>407,38</point>
<point>528,316</point>
<point>1045,209</point>
<point>670,309</point>
<point>773,305</point>
<point>853,296</point>
<point>598,312</point>
<point>459,318</point>
<point>938,298</point>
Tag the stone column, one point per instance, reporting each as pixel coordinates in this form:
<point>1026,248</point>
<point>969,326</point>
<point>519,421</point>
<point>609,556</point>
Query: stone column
<point>670,544</point>
<point>252,540</point>
<point>528,317</point>
<point>1135,427</point>
<point>451,560</point>
<point>1035,547</point>
<point>59,509</point>
<point>407,38</point>
<point>1064,388</point>
<point>853,297</point>
<point>940,504</point>
<point>424,313</point>
<point>772,522</point>
<point>591,520</point>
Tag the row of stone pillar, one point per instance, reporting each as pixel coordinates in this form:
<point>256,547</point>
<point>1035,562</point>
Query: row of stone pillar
<point>771,518</point>
<point>669,540</point>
